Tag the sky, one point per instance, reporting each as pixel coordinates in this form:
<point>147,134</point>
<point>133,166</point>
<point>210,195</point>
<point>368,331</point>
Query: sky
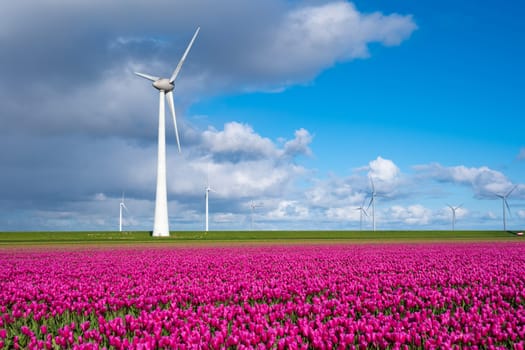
<point>290,105</point>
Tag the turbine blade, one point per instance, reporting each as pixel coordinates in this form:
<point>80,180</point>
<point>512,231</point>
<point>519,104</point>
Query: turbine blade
<point>169,97</point>
<point>508,207</point>
<point>512,190</point>
<point>179,66</point>
<point>147,76</point>
<point>370,203</point>
<point>372,183</point>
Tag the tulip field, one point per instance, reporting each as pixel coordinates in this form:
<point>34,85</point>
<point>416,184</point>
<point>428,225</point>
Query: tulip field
<point>326,296</point>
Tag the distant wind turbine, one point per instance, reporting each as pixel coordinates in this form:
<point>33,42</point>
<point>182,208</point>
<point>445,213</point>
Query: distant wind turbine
<point>372,203</point>
<point>253,206</point>
<point>122,206</point>
<point>504,204</point>
<point>362,211</point>
<point>165,86</point>
<point>208,189</point>
<point>453,209</point>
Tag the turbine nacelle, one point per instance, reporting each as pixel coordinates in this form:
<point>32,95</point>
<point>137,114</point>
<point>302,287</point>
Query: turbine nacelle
<point>163,85</point>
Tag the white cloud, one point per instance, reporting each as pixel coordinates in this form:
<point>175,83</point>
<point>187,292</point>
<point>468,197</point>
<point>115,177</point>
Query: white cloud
<point>240,163</point>
<point>338,198</point>
<point>411,215</point>
<point>484,181</point>
<point>238,141</point>
<point>386,176</point>
<point>299,145</point>
<point>336,192</point>
<point>288,210</point>
<point>521,214</point>
<point>226,218</point>
<point>313,38</point>
<point>383,170</point>
<point>349,213</point>
<point>236,180</point>
<point>397,216</point>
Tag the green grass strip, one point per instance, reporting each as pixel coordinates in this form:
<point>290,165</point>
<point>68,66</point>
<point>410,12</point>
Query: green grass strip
<point>189,237</point>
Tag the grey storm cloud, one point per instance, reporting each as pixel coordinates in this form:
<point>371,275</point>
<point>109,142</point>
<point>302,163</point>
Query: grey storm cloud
<point>71,63</point>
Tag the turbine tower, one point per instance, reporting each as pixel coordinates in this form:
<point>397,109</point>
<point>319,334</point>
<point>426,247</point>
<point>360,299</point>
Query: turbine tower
<point>122,206</point>
<point>208,189</point>
<point>504,204</point>
<point>373,203</point>
<point>165,87</point>
<point>453,209</point>
<point>362,211</point>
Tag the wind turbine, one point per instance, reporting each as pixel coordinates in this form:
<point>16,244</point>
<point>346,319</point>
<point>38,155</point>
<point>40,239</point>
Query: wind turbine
<point>504,204</point>
<point>454,213</point>
<point>253,206</point>
<point>373,203</point>
<point>122,206</point>
<point>208,189</point>
<point>362,211</point>
<point>165,87</point>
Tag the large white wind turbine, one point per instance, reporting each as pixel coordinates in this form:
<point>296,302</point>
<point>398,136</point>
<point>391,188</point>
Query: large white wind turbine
<point>165,87</point>
<point>505,204</point>
<point>122,206</point>
<point>373,203</point>
<point>362,211</point>
<point>453,209</point>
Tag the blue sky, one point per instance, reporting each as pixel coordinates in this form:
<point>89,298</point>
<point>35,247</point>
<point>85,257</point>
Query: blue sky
<point>290,104</point>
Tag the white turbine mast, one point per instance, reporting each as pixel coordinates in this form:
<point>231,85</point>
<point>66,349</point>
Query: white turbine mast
<point>372,203</point>
<point>208,189</point>
<point>504,204</point>
<point>362,211</point>
<point>453,209</point>
<point>253,206</point>
<point>165,87</point>
<point>122,207</point>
